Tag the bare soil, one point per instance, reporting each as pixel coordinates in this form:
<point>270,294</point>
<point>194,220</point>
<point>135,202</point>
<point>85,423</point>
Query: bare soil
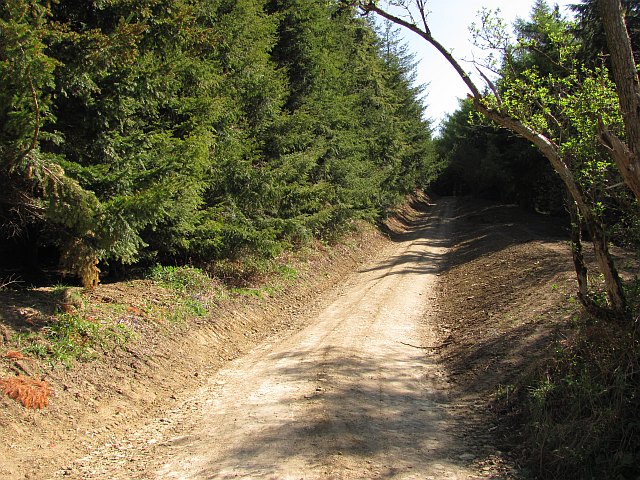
<point>383,359</point>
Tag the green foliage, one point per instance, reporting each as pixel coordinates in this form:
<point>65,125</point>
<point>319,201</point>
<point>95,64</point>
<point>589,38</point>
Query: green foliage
<point>181,279</point>
<point>193,286</point>
<point>485,161</point>
<point>69,337</point>
<point>193,131</point>
<point>546,88</point>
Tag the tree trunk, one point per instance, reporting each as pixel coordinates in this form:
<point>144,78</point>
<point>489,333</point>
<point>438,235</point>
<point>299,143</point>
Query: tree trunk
<point>613,284</point>
<point>625,74</point>
<point>576,252</point>
<point>582,272</point>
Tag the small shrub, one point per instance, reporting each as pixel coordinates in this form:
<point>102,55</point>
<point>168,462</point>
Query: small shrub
<point>69,337</point>
<point>72,336</point>
<point>192,284</point>
<point>181,279</point>
<point>582,408</point>
<point>288,273</point>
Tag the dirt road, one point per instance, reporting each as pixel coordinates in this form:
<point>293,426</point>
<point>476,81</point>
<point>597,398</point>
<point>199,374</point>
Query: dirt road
<point>356,394</point>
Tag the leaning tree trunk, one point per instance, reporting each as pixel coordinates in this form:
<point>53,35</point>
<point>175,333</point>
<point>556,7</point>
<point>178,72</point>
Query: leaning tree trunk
<point>582,272</point>
<point>613,284</point>
<point>576,252</point>
<point>545,145</point>
<point>626,154</point>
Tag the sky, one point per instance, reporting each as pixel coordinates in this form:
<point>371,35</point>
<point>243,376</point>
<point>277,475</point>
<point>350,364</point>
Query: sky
<point>449,23</point>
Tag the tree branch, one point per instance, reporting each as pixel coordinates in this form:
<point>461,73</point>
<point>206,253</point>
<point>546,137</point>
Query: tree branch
<point>36,133</point>
<point>426,35</point>
<point>623,157</point>
<point>491,85</point>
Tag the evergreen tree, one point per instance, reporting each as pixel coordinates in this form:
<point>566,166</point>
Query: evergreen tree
<point>192,130</point>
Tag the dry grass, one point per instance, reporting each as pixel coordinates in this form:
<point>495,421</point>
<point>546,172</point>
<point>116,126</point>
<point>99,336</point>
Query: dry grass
<point>31,393</point>
<point>14,355</point>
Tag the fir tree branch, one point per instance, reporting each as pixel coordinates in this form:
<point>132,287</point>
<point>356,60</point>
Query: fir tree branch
<point>36,133</point>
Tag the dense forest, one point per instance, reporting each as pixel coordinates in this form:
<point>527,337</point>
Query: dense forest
<point>188,131</point>
<point>191,131</point>
<point>484,160</point>
<point>541,139</point>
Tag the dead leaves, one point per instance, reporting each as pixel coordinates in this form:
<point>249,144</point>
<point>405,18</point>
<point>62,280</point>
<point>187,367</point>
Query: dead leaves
<point>14,355</point>
<point>31,393</point>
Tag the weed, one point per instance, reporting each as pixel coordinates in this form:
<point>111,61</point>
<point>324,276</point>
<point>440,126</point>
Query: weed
<point>249,292</point>
<point>70,337</point>
<point>193,286</point>
<point>118,335</point>
<point>582,407</point>
<point>59,289</point>
<point>503,392</point>
<point>181,279</point>
<point>195,307</point>
<point>33,345</point>
<point>288,273</point>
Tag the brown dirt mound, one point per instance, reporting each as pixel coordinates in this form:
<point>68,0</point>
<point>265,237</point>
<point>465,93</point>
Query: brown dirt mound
<point>508,300</point>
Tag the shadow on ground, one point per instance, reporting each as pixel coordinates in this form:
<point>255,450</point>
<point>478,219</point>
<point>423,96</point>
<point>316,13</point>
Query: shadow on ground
<point>27,311</point>
<point>370,429</point>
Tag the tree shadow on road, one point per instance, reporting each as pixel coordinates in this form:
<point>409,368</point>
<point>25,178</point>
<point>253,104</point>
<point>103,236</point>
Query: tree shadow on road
<point>475,228</point>
<point>389,420</point>
<point>507,294</point>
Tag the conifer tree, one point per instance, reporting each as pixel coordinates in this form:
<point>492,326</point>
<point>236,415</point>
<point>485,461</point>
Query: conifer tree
<point>198,129</point>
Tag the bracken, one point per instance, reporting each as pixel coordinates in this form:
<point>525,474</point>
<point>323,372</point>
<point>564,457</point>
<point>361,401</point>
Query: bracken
<point>14,355</point>
<point>31,393</point>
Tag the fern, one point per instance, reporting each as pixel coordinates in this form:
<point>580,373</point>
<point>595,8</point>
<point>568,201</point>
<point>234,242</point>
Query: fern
<point>31,393</point>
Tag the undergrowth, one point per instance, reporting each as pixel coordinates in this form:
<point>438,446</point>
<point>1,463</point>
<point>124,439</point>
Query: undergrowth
<point>581,408</point>
<point>249,270</point>
<point>196,291</point>
<point>72,336</point>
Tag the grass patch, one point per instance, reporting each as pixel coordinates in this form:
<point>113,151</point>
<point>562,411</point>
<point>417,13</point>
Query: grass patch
<point>243,271</point>
<point>581,409</point>
<point>288,273</point>
<point>70,337</point>
<point>194,288</point>
<point>181,279</point>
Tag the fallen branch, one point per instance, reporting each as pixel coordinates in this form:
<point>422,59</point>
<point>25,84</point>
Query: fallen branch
<point>427,347</point>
